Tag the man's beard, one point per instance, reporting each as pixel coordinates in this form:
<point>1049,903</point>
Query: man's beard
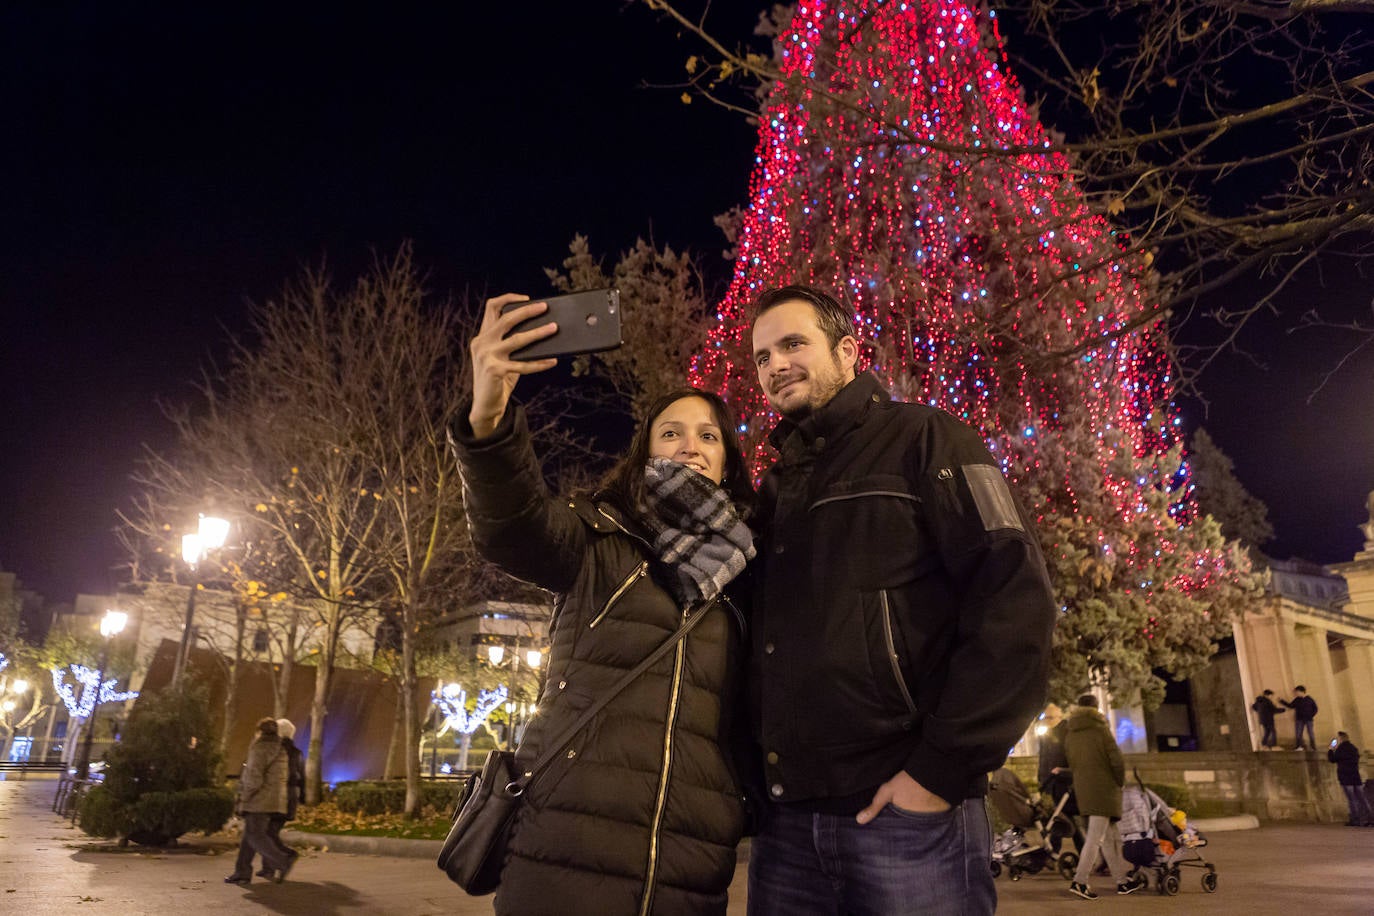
<point>823,390</point>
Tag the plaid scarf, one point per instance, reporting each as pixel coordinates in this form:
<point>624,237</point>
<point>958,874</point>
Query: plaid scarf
<point>695,529</point>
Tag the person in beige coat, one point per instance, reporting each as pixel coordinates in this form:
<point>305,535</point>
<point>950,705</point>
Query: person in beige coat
<point>262,793</point>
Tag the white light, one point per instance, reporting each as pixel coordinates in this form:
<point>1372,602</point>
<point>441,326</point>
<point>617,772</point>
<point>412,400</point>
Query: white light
<point>1041,729</point>
<point>8,705</point>
<point>20,685</point>
<point>213,532</point>
<point>190,549</point>
<point>533,658</point>
<point>113,623</point>
<point>495,654</point>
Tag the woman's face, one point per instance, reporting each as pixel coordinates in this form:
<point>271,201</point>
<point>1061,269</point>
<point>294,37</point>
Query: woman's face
<point>686,432</point>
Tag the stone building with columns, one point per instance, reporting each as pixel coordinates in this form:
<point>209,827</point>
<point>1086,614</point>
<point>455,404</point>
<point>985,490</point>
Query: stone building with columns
<point>1316,628</point>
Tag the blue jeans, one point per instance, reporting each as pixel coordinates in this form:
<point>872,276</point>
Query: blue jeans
<point>901,862</point>
<point>1358,804</point>
<point>1304,725</point>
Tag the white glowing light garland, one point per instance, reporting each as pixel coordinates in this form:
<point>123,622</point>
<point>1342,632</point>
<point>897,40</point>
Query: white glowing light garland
<point>83,706</point>
<point>452,701</point>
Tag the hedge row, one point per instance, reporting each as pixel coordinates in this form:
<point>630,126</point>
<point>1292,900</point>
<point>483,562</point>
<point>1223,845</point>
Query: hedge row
<point>389,797</point>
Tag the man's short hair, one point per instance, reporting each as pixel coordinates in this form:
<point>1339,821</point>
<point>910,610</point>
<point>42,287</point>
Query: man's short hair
<point>1300,689</point>
<point>1343,736</point>
<point>1269,693</point>
<point>834,320</point>
<point>267,725</point>
<point>1088,700</point>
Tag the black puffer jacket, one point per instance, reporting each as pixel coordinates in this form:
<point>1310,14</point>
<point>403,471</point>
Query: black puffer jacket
<point>642,813</point>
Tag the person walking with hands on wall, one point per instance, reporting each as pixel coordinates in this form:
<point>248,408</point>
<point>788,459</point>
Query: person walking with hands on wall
<point>1099,774</point>
<point>642,813</point>
<point>1304,714</point>
<point>1266,711</point>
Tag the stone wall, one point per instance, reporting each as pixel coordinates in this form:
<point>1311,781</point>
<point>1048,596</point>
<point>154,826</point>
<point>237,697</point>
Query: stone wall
<point>1272,785</point>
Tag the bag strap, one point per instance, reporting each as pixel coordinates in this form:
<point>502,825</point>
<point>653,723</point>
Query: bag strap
<point>555,747</point>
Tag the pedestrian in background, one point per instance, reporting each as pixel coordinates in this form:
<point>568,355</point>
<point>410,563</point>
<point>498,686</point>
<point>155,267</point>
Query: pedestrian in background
<point>262,793</point>
<point>1098,776</point>
<point>1265,708</point>
<point>1346,757</point>
<point>295,791</point>
<point>1304,712</point>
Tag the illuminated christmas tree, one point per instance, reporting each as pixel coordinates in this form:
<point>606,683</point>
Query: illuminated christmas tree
<point>899,165</point>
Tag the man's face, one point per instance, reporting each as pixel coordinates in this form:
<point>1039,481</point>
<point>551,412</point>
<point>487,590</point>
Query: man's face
<point>798,371</point>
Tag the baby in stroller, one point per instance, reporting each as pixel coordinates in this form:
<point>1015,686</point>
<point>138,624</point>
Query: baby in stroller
<point>1036,834</point>
<point>1159,841</point>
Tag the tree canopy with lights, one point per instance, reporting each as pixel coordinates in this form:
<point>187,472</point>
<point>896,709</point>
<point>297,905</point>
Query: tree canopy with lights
<point>899,165</point>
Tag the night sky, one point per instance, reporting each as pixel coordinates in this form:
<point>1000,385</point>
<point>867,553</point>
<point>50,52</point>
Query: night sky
<point>165,164</point>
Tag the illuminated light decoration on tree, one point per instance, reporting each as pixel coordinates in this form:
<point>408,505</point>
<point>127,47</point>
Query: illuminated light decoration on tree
<point>82,706</point>
<point>452,701</point>
<point>4,662</point>
<point>899,165</point>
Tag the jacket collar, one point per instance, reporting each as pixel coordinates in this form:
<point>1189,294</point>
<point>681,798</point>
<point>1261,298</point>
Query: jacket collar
<point>844,411</point>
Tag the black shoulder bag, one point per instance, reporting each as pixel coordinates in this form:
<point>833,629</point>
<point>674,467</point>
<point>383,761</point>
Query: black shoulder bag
<point>475,850</point>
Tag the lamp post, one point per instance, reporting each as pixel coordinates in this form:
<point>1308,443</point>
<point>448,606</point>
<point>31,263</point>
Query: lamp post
<point>111,624</point>
<point>496,654</point>
<point>211,534</point>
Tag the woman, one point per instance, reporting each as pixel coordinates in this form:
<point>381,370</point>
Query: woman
<point>642,814</point>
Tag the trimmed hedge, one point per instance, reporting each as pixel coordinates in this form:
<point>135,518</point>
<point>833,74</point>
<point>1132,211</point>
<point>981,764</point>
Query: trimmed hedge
<point>389,797</point>
<point>156,818</point>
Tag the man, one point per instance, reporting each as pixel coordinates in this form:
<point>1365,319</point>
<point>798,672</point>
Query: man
<point>1099,773</point>
<point>262,793</point>
<point>295,792</point>
<point>1346,757</point>
<point>1266,710</point>
<point>901,634</point>
<point>1304,711</point>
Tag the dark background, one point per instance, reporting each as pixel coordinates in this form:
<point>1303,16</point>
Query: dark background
<point>164,165</point>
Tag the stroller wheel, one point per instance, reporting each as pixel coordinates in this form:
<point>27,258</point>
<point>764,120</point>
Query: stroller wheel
<point>1014,873</point>
<point>997,869</point>
<point>1068,864</point>
<point>1170,884</point>
<point>1209,882</point>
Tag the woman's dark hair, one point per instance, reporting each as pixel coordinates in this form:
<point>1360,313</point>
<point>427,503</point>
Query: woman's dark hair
<point>267,726</point>
<point>625,482</point>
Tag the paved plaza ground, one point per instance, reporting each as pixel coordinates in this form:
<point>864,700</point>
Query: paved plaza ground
<point>49,867</point>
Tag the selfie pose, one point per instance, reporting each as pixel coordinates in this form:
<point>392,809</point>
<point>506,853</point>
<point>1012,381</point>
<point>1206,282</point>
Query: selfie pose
<point>640,812</point>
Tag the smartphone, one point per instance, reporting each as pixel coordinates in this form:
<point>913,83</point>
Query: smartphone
<point>588,322</point>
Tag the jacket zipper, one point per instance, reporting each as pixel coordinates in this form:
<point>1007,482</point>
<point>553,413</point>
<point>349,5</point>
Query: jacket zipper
<point>662,799</point>
<point>892,653</point>
<point>898,494</point>
<point>621,589</point>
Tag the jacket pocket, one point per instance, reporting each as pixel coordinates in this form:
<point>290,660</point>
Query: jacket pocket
<point>619,592</point>
<point>894,656</point>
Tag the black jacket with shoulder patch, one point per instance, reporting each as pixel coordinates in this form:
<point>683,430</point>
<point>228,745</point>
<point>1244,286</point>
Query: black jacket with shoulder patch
<point>903,614</point>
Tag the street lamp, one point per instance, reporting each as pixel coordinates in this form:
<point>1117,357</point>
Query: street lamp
<point>211,533</point>
<point>112,624</point>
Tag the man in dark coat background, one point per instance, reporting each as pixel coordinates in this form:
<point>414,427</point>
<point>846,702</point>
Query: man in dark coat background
<point>1346,757</point>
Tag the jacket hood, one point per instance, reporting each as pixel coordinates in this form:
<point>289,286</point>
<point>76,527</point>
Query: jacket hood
<point>1082,717</point>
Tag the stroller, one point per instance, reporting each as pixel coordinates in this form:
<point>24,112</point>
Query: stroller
<point>1033,841</point>
<point>1159,841</point>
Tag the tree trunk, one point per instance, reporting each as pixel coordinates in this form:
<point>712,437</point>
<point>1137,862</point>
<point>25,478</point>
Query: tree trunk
<point>409,679</point>
<point>324,675</point>
<point>231,687</point>
<point>394,766</point>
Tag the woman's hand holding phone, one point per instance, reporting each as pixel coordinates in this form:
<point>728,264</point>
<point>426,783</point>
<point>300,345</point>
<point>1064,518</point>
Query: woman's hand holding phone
<point>494,373</point>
